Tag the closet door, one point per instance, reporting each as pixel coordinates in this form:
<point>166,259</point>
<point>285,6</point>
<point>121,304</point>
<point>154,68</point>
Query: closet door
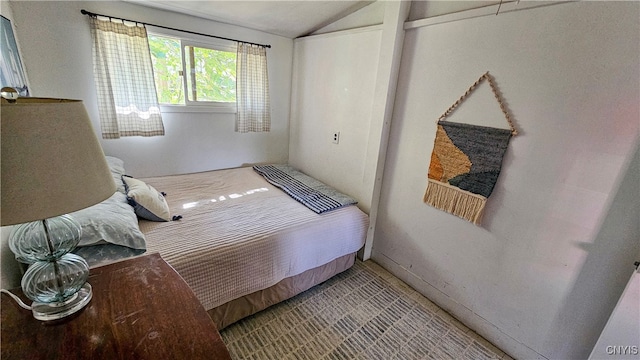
<point>620,337</point>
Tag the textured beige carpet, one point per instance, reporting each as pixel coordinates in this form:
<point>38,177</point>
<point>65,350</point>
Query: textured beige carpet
<point>363,313</point>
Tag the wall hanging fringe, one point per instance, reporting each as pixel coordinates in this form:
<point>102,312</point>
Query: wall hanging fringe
<point>466,161</point>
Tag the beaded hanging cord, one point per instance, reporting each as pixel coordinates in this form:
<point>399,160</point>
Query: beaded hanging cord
<point>466,161</point>
<point>488,77</point>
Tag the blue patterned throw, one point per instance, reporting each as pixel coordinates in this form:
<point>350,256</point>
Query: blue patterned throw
<point>310,192</point>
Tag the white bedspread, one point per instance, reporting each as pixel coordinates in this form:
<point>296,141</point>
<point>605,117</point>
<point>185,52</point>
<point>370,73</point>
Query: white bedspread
<point>240,234</point>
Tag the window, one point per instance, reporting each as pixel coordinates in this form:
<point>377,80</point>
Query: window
<point>194,74</point>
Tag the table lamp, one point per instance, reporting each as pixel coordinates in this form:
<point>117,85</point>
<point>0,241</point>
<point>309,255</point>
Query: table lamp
<point>51,164</point>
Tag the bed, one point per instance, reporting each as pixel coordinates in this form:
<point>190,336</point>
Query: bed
<point>241,243</point>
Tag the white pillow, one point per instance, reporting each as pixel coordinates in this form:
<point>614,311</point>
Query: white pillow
<point>147,202</point>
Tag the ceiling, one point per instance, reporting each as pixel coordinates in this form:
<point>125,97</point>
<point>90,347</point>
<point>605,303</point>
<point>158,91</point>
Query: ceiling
<point>286,18</point>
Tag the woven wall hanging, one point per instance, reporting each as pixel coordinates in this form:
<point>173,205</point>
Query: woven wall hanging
<point>466,162</point>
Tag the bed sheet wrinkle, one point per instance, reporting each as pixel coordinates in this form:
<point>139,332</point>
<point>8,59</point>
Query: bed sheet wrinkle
<point>246,242</point>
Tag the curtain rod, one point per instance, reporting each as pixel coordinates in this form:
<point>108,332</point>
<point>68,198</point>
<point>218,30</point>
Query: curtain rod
<point>88,13</point>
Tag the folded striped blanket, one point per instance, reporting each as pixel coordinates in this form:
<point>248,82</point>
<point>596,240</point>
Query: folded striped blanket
<point>312,193</point>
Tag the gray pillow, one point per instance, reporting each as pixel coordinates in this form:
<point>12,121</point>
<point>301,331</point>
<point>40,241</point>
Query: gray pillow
<point>112,221</point>
<point>117,170</point>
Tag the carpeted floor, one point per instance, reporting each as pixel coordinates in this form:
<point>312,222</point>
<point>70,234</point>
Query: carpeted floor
<point>363,313</point>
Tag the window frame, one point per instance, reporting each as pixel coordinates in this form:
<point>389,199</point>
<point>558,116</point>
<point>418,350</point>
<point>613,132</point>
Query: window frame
<point>200,41</point>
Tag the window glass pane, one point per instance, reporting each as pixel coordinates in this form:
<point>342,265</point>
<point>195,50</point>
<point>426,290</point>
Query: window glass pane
<point>212,74</point>
<point>167,69</point>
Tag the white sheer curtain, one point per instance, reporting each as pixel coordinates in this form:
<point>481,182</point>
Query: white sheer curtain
<point>123,73</point>
<point>252,89</point>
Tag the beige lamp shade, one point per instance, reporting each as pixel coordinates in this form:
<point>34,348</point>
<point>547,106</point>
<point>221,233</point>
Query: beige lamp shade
<point>51,160</point>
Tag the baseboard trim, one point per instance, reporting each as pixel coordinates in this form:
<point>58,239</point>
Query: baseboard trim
<point>475,322</point>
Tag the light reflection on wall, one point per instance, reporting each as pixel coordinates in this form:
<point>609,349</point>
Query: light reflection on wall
<point>224,198</point>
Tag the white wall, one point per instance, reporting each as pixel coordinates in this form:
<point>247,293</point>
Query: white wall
<point>56,47</point>
<point>333,89</point>
<point>345,81</point>
<point>569,73</point>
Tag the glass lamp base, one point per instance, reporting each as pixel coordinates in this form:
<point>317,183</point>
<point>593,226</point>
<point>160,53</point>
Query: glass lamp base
<point>58,310</point>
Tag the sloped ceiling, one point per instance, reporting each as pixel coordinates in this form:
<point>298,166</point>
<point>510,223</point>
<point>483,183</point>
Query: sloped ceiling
<point>285,18</point>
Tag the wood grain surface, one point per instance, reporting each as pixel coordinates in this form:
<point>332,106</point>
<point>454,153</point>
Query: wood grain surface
<point>141,309</point>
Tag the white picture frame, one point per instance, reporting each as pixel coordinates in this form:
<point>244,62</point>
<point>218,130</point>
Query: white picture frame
<point>12,73</point>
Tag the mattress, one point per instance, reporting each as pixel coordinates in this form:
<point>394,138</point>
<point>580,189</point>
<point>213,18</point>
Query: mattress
<point>239,234</point>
